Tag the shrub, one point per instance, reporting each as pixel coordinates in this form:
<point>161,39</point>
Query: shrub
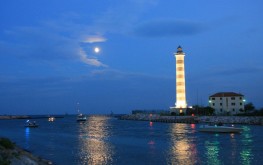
<point>6,143</point>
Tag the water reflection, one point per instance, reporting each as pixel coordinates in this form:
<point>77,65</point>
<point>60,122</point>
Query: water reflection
<point>246,154</point>
<point>27,135</point>
<point>93,136</point>
<point>151,141</point>
<point>212,151</point>
<point>183,149</point>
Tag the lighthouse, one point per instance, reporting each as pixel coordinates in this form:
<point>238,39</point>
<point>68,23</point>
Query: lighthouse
<point>180,104</point>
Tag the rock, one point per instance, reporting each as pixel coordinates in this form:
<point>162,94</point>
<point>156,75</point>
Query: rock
<point>12,154</point>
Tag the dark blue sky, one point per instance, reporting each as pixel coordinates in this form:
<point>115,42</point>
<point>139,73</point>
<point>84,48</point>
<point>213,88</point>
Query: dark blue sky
<point>48,63</point>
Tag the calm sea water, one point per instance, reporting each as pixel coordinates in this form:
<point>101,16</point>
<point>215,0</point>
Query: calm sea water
<point>104,140</point>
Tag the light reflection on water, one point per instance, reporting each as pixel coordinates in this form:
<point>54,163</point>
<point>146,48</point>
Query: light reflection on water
<point>183,149</point>
<point>246,141</point>
<point>212,152</point>
<point>93,144</point>
<point>151,141</point>
<point>27,137</point>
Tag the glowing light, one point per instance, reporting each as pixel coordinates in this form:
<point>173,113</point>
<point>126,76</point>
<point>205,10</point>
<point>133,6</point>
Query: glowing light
<point>51,119</point>
<point>96,49</point>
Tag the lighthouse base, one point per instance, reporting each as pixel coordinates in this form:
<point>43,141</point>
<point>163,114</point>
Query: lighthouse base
<point>178,111</point>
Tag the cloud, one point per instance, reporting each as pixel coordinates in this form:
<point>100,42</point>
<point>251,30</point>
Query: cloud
<point>120,18</point>
<point>169,28</point>
<point>114,74</point>
<point>90,61</point>
<point>68,36</point>
<point>49,42</point>
<point>94,39</point>
<point>234,71</point>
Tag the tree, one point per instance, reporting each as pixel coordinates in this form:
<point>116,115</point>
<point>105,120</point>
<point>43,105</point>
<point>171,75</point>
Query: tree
<point>209,110</point>
<point>249,107</point>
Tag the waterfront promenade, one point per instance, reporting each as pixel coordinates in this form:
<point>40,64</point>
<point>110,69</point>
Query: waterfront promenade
<point>254,120</point>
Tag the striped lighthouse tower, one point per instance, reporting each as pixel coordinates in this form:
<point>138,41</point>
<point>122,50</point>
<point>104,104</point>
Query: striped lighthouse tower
<point>180,104</point>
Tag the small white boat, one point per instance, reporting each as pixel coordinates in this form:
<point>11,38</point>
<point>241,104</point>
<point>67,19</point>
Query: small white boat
<point>219,128</point>
<point>81,117</point>
<point>51,118</point>
<point>30,124</point>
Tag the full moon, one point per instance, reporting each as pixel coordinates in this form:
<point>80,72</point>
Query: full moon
<point>96,50</point>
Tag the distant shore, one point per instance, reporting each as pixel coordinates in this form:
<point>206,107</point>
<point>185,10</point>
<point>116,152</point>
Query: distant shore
<point>9,117</point>
<point>253,120</point>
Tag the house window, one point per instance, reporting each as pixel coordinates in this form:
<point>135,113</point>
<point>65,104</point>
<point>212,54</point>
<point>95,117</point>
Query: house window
<point>221,104</point>
<point>213,104</point>
<point>213,98</point>
<point>220,98</point>
<point>241,104</point>
<point>233,110</point>
<point>221,110</point>
<point>233,103</point>
<point>232,98</point>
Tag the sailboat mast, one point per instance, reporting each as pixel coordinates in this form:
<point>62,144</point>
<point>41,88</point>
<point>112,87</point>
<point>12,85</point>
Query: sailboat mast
<point>78,107</point>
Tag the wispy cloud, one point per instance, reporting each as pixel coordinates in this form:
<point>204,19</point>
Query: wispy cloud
<point>94,39</point>
<point>49,42</point>
<point>169,28</point>
<point>238,71</point>
<point>90,61</point>
<point>62,38</point>
<point>114,74</point>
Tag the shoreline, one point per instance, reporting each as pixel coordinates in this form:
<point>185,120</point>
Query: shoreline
<point>10,153</point>
<point>251,120</point>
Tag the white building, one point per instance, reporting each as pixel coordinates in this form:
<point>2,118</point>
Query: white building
<point>180,104</point>
<point>227,103</point>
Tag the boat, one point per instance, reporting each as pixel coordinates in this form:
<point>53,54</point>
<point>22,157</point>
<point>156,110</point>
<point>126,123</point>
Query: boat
<point>30,124</point>
<point>51,118</point>
<point>81,117</point>
<point>219,128</point>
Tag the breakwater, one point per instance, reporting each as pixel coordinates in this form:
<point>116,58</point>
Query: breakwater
<point>254,120</point>
<point>158,118</point>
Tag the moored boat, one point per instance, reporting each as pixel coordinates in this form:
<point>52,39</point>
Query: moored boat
<point>30,124</point>
<point>51,118</point>
<point>218,128</point>
<point>81,117</point>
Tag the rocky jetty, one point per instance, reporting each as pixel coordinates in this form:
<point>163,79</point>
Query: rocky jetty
<point>254,120</point>
<point>159,118</point>
<point>10,154</point>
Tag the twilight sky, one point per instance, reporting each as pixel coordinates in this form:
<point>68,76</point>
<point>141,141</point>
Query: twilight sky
<point>48,62</point>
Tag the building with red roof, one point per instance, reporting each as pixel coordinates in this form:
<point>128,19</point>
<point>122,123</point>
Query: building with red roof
<point>227,103</point>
